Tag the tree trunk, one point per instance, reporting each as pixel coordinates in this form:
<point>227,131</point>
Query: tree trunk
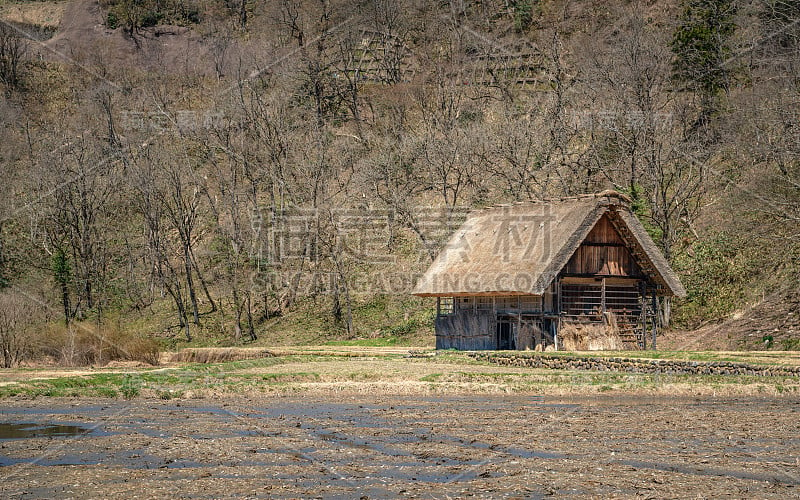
<point>190,282</point>
<point>65,301</point>
<point>237,304</point>
<point>183,321</point>
<point>243,13</point>
<point>203,283</point>
<point>336,307</point>
<point>348,308</point>
<point>250,326</point>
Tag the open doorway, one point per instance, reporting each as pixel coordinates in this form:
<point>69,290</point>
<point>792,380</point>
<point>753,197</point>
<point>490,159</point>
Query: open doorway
<point>505,335</point>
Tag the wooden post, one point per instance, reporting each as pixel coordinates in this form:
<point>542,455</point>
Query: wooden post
<point>519,321</point>
<point>438,306</point>
<point>643,313</point>
<point>557,304</point>
<point>655,319</point>
<point>555,335</point>
<point>557,301</point>
<point>603,298</point>
<point>493,325</point>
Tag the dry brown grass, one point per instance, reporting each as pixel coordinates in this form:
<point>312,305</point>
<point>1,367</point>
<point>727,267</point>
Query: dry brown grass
<point>87,344</point>
<point>218,355</point>
<point>577,337</point>
<point>46,14</point>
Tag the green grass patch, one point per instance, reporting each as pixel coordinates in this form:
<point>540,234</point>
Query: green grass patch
<point>283,378</point>
<point>373,342</point>
<point>448,370</point>
<point>433,377</point>
<point>171,383</point>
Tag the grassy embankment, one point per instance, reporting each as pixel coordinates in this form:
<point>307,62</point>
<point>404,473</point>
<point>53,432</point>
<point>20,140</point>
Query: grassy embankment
<point>390,371</point>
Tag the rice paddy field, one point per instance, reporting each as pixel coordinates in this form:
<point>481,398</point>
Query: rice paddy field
<point>349,422</point>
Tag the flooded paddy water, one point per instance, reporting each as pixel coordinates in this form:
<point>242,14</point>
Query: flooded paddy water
<point>401,446</point>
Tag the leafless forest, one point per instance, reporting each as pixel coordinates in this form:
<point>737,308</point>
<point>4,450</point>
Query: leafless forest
<point>227,171</point>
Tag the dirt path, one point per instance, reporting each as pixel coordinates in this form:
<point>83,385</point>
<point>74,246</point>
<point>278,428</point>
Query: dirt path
<point>412,446</point>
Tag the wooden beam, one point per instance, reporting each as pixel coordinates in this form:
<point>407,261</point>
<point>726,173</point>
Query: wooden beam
<point>655,319</point>
<point>603,297</point>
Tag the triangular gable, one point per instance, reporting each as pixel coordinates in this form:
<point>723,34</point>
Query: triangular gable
<point>603,252</point>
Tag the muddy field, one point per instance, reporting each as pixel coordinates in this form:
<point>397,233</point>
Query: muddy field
<point>401,446</point>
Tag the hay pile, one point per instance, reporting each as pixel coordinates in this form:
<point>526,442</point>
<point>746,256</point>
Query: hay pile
<point>591,337</point>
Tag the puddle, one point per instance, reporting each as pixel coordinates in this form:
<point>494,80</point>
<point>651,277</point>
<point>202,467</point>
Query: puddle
<point>360,444</point>
<point>208,410</point>
<point>709,471</point>
<point>89,409</point>
<point>523,453</point>
<point>63,460</point>
<point>129,460</point>
<point>33,430</point>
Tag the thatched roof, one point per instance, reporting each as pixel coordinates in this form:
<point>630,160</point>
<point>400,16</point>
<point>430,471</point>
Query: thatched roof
<point>519,249</point>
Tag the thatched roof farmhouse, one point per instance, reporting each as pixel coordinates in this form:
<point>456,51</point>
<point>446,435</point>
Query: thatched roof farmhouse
<point>576,273</point>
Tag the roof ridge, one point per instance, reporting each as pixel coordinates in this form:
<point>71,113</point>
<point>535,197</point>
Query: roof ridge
<point>608,193</point>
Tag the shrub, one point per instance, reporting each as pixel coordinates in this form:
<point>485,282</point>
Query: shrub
<point>112,20</point>
<point>12,55</point>
<point>790,344</point>
<point>702,45</point>
<point>135,14</point>
<point>523,14</point>
<point>405,328</point>
<point>168,394</point>
<point>17,315</point>
<point>714,272</point>
<point>83,343</point>
<point>129,388</point>
<point>151,18</point>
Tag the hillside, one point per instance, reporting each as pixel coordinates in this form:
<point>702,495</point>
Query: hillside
<point>218,173</point>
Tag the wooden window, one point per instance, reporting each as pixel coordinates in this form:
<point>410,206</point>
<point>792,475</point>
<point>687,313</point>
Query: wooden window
<point>463,303</point>
<point>446,306</point>
<point>505,303</point>
<point>485,303</point>
<point>530,303</point>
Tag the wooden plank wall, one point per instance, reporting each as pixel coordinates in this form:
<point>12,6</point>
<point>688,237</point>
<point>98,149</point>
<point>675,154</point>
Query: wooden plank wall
<point>466,331</point>
<point>603,252</point>
<point>475,331</point>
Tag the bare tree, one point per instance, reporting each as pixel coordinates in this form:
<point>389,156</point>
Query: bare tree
<point>766,120</point>
<point>12,52</point>
<point>72,222</point>
<point>150,197</point>
<point>640,130</point>
<point>235,210</point>
<point>17,316</point>
<point>391,25</point>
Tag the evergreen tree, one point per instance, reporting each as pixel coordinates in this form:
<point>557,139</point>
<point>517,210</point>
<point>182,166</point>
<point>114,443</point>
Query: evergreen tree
<point>62,273</point>
<point>702,49</point>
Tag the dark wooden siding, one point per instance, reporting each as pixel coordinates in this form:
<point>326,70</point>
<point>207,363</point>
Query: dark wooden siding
<point>466,330</point>
<point>603,253</point>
